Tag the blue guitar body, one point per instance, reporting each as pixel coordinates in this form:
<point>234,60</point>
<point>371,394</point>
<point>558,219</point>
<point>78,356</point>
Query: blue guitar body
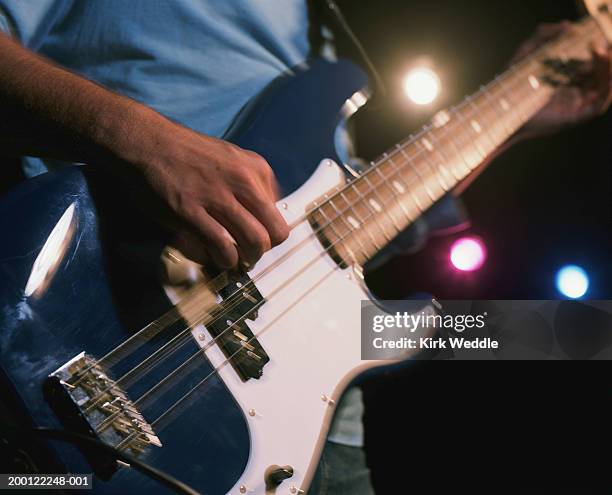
<point>93,299</point>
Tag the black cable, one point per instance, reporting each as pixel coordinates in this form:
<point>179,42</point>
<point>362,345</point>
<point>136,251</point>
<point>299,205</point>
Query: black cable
<point>344,25</point>
<point>78,439</point>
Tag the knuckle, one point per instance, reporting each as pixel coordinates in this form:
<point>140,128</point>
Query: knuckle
<point>244,176</point>
<point>260,165</point>
<point>227,251</point>
<point>282,233</point>
<point>252,192</point>
<point>259,241</point>
<point>220,203</point>
<point>186,207</point>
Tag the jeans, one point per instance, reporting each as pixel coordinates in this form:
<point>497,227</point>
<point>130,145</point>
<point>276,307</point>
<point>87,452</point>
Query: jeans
<point>342,471</point>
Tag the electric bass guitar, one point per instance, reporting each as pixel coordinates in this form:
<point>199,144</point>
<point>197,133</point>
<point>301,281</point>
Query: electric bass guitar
<point>233,388</point>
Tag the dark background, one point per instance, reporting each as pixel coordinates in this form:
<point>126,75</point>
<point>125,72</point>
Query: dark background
<point>451,426</point>
<point>542,204</point>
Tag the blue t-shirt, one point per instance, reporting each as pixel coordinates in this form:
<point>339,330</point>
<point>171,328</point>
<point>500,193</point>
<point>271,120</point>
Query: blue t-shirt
<point>198,62</point>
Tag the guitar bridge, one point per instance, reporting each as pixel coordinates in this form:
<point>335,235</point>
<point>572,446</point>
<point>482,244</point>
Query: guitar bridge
<point>88,401</point>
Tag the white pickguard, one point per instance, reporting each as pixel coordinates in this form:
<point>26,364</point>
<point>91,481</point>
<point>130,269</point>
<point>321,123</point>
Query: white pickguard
<point>310,328</point>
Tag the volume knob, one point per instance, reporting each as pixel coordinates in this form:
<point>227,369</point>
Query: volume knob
<point>275,475</point>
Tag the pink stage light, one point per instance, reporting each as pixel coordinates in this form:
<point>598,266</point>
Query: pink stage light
<point>468,254</point>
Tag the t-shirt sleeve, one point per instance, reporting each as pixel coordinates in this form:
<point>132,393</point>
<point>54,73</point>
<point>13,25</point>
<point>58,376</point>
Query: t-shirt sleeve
<point>5,25</point>
<point>29,21</point>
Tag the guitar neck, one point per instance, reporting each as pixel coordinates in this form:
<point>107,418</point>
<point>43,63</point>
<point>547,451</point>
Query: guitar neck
<point>362,218</point>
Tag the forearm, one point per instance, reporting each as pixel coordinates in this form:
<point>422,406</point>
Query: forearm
<point>51,112</point>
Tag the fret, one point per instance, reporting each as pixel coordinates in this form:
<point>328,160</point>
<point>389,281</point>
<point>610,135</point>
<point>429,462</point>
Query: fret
<point>496,108</point>
<point>501,103</point>
<point>374,192</point>
<point>444,154</point>
<point>362,198</point>
<point>449,178</point>
<point>353,198</point>
<point>329,223</point>
<point>497,125</point>
<point>409,217</point>
<point>397,171</point>
<point>474,149</point>
<point>434,169</point>
<point>371,187</point>
<point>363,221</point>
<point>421,177</point>
<point>351,232</point>
<point>373,206</point>
<point>373,212</point>
<point>517,95</point>
<point>537,94</point>
<point>406,190</point>
<point>508,104</point>
<point>533,70</point>
<point>400,184</point>
<point>480,138</point>
<point>398,226</point>
<point>470,161</point>
<point>356,226</point>
<point>481,125</point>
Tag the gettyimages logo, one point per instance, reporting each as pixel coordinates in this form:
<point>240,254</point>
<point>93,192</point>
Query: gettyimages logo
<point>410,332</point>
<point>412,322</point>
<point>477,330</point>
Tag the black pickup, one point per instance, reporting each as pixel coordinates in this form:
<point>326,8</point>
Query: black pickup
<point>240,302</point>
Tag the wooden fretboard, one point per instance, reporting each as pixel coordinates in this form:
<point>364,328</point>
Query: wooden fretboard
<point>359,220</point>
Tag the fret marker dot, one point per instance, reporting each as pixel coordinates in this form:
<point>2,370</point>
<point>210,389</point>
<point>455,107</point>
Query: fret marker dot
<point>441,119</point>
<point>504,104</point>
<point>428,144</point>
<point>353,222</point>
<point>399,187</point>
<point>535,84</point>
<point>476,127</point>
<point>375,205</point>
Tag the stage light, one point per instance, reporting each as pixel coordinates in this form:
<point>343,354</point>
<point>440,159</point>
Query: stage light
<point>468,254</point>
<point>422,85</point>
<point>572,282</point>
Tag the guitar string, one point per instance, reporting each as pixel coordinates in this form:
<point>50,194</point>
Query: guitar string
<point>216,370</point>
<point>301,219</point>
<point>350,233</point>
<point>179,344</point>
<point>262,330</point>
<point>230,357</point>
<point>150,359</point>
